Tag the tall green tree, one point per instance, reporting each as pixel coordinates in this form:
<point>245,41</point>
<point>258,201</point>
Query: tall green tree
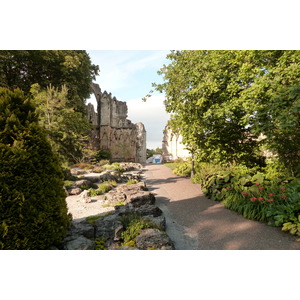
<point>273,106</point>
<point>33,210</point>
<point>73,68</point>
<point>62,113</point>
<point>66,128</point>
<point>204,94</point>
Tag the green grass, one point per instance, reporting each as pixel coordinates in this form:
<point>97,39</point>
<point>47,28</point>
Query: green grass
<point>92,219</point>
<point>172,165</point>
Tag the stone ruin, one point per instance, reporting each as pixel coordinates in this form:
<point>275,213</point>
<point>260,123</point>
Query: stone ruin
<point>113,131</point>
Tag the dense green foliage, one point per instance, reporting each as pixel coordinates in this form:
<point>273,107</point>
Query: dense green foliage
<point>72,68</point>
<point>263,194</point>
<point>102,154</point>
<point>224,104</point>
<point>33,211</point>
<point>67,129</point>
<point>133,225</point>
<point>59,83</point>
<point>180,167</point>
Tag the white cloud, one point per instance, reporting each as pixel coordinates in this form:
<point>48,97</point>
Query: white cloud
<point>153,115</point>
<point>118,68</point>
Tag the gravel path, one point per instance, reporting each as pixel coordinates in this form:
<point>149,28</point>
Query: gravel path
<point>195,222</point>
<point>81,210</point>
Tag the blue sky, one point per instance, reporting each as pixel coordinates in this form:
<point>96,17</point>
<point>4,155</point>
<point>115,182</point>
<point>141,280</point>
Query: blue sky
<point>128,75</point>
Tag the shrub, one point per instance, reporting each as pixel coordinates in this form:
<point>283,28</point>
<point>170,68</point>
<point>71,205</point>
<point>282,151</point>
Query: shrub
<point>103,162</point>
<point>84,166</point>
<point>266,197</point>
<point>293,226</point>
<point>103,154</point>
<point>132,181</point>
<point>183,169</point>
<point>92,219</point>
<point>133,225</point>
<point>98,170</point>
<point>33,209</point>
<point>102,189</point>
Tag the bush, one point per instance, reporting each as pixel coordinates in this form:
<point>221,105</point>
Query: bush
<point>33,209</point>
<point>132,181</point>
<point>133,225</point>
<point>104,162</point>
<point>180,167</point>
<point>265,197</point>
<point>102,189</point>
<point>183,169</point>
<point>84,166</point>
<point>103,154</point>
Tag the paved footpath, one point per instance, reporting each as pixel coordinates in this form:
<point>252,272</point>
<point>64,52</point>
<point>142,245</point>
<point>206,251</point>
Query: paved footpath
<point>197,223</point>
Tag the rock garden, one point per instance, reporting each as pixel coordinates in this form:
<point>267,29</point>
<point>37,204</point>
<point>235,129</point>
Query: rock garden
<point>112,209</point>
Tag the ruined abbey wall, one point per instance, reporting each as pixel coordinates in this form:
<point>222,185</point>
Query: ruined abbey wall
<point>113,131</point>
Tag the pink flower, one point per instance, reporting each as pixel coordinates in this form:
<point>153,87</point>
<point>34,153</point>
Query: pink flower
<point>257,183</point>
<point>283,188</point>
<point>228,188</point>
<point>271,194</point>
<point>260,198</point>
<point>270,200</point>
<point>261,188</point>
<point>253,199</point>
<point>283,197</point>
<point>244,193</point>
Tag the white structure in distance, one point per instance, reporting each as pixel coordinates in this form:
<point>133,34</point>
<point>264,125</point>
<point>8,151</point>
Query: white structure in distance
<point>172,146</point>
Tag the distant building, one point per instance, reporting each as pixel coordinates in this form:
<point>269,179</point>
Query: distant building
<point>113,131</point>
<point>172,146</point>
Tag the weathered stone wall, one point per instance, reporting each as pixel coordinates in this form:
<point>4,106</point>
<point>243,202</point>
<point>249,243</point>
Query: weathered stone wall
<point>172,146</point>
<point>125,140</point>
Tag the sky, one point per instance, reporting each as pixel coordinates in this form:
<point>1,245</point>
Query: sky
<point>128,75</point>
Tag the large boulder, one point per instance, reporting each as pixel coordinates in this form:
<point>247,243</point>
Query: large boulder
<point>142,198</point>
<point>83,182</point>
<point>154,239</point>
<point>77,229</point>
<point>80,243</point>
<point>105,227</point>
<point>148,209</point>
<point>159,220</point>
<point>134,194</point>
<point>126,248</point>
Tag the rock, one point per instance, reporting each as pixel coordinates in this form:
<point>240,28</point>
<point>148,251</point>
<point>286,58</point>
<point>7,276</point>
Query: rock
<point>143,198</point>
<point>148,209</point>
<point>83,182</point>
<point>105,227</point>
<point>126,248</point>
<point>85,197</point>
<point>77,171</point>
<point>81,228</point>
<point>80,243</point>
<point>75,191</point>
<point>159,220</point>
<point>92,179</point>
<point>118,232</point>
<point>154,239</point>
<point>124,210</point>
<point>114,197</point>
